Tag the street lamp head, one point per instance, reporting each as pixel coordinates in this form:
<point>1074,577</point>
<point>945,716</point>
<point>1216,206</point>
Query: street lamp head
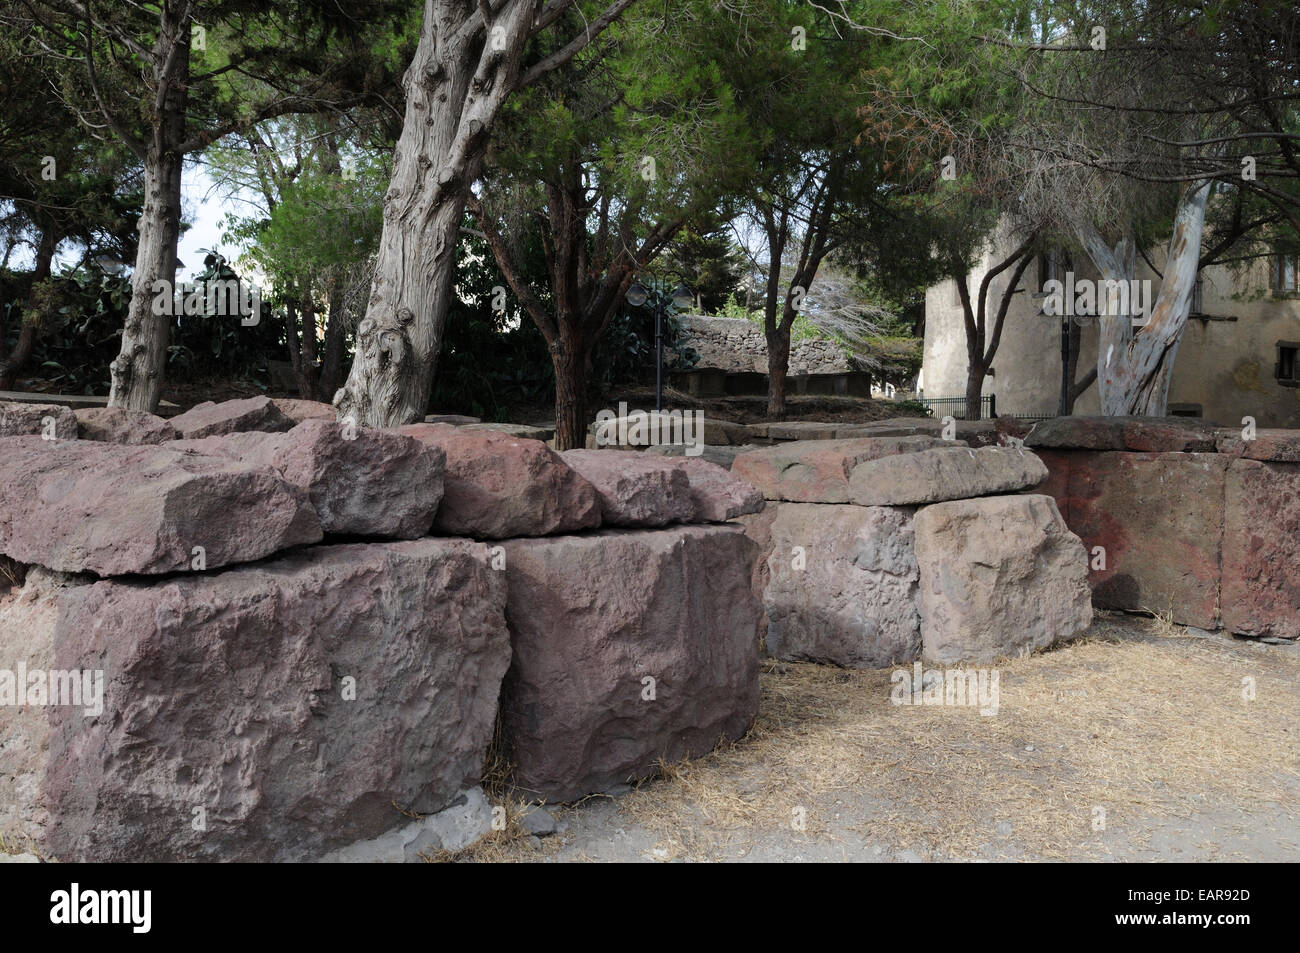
<point>682,297</point>
<point>636,295</point>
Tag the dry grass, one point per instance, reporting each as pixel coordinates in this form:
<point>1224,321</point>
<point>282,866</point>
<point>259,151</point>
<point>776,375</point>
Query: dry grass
<point>1152,726</point>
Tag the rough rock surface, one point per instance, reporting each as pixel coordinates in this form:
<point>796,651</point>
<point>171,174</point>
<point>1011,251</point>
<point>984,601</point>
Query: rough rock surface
<point>110,509</point>
<point>999,576</point>
<point>19,419</point>
<point>1275,446</point>
<point>977,433</point>
<point>496,486</point>
<point>1261,549</point>
<point>722,456</point>
<point>465,821</point>
<point>944,473</point>
<point>1159,518</point>
<point>302,703</point>
<point>817,471</point>
<point>649,428</point>
<point>299,411</point>
<point>630,646</point>
<point>717,495</point>
<point>361,482</point>
<point>635,489</point>
<point>1139,434</point>
<point>841,585</point>
<point>119,425</point>
<point>211,419</point>
<point>523,431</point>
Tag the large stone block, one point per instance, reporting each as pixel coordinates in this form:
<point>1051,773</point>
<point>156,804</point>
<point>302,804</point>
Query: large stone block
<point>646,489</point>
<point>1139,434</point>
<point>1000,575</point>
<point>944,473</point>
<point>361,482</point>
<point>299,411</point>
<point>1159,519</point>
<point>211,419</point>
<point>52,421</point>
<point>817,471</point>
<point>119,425</point>
<point>296,706</point>
<point>977,433</point>
<point>112,509</point>
<point>1275,446</point>
<point>630,646</point>
<point>496,486</point>
<point>1261,549</point>
<point>841,584</point>
<point>635,489</point>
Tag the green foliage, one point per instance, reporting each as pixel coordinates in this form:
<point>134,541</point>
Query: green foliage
<point>707,260</point>
<point>912,408</point>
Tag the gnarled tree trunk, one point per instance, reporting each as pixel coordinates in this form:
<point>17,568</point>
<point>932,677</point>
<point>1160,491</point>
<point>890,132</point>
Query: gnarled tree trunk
<point>1134,369</point>
<point>455,85</point>
<point>137,371</point>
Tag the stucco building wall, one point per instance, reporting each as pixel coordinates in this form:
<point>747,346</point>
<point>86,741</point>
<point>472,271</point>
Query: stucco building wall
<point>1224,366</point>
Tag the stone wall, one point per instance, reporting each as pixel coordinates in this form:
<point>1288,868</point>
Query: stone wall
<point>737,346</point>
<point>1183,518</point>
<point>881,550</point>
<point>252,633</point>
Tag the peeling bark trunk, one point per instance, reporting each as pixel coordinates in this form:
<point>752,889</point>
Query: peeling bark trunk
<point>455,86</point>
<point>1134,369</point>
<point>137,371</point>
<point>32,318</point>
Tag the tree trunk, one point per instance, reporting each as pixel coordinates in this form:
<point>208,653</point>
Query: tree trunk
<point>778,367</point>
<point>32,316</point>
<point>454,88</point>
<point>975,390</point>
<point>137,371</point>
<point>332,364</point>
<point>291,336</point>
<point>571,364</point>
<point>1133,370</point>
<point>308,365</point>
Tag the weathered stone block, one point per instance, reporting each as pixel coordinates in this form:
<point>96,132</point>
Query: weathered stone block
<point>817,471</point>
<point>302,703</point>
<point>944,473</point>
<point>112,509</point>
<point>841,585</point>
<point>1261,549</point>
<point>999,576</point>
<point>1159,519</point>
<point>630,646</point>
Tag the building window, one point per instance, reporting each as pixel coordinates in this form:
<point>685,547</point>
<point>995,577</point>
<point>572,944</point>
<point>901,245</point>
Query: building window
<point>1285,370</point>
<point>1286,274</point>
<point>1184,410</point>
<point>1198,297</point>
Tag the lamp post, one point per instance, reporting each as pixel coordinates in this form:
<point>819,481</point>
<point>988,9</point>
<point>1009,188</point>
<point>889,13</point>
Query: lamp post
<point>682,299</point>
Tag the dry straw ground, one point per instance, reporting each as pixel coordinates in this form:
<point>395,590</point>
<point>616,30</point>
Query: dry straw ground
<point>1142,718</point>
